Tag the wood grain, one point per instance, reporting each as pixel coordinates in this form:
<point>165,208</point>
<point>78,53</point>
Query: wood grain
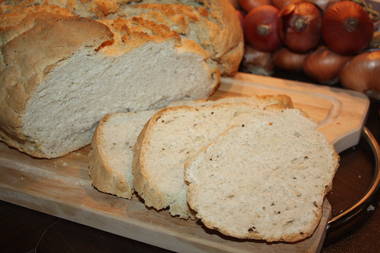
<point>340,113</point>
<point>61,187</point>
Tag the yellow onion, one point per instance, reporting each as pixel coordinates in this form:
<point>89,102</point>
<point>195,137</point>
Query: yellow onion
<point>288,60</point>
<point>346,27</point>
<point>324,66</point>
<point>362,72</point>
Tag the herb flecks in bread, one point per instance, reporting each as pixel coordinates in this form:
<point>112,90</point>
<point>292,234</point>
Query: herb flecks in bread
<point>265,178</point>
<point>110,161</point>
<point>172,136</point>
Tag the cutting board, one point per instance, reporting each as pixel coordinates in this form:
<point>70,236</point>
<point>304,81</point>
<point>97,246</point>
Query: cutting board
<point>61,187</point>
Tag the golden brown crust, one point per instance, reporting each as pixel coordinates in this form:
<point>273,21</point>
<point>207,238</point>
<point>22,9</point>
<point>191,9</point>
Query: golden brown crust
<point>104,178</point>
<point>41,33</point>
<point>141,182</point>
<point>214,22</point>
<point>18,79</point>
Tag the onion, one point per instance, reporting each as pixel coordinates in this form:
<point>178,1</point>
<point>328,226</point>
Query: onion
<point>346,27</point>
<point>323,4</point>
<point>324,66</point>
<point>362,72</point>
<point>300,26</point>
<point>288,60</point>
<point>261,28</point>
<point>257,62</point>
<point>375,41</point>
<point>248,5</point>
<point>283,3</point>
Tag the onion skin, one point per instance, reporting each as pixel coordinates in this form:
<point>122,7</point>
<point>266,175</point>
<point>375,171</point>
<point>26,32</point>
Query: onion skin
<point>375,41</point>
<point>261,28</point>
<point>323,4</point>
<point>301,26</point>
<point>281,4</point>
<point>288,60</point>
<point>257,62</point>
<point>346,27</point>
<point>362,72</point>
<point>324,66</point>
<point>248,5</point>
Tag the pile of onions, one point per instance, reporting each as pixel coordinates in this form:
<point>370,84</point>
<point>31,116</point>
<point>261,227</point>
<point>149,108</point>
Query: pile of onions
<point>261,28</point>
<point>347,28</point>
<point>301,25</point>
<point>318,37</point>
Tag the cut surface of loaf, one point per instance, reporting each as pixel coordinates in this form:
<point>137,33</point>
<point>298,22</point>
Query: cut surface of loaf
<point>264,178</point>
<point>65,64</point>
<point>110,160</point>
<point>172,136</point>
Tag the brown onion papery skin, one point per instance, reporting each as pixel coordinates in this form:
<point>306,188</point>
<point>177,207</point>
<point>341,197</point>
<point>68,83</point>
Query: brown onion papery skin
<point>257,62</point>
<point>248,5</point>
<point>324,66</point>
<point>283,3</point>
<point>334,31</point>
<point>307,38</point>
<point>362,72</point>
<point>288,60</point>
<point>323,4</point>
<point>265,15</point>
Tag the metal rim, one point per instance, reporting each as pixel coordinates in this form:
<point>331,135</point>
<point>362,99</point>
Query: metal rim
<point>365,201</point>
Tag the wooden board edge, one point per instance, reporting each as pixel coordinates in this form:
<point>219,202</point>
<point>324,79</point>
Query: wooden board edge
<point>155,237</point>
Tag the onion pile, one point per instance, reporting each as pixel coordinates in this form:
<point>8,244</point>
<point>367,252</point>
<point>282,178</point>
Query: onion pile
<point>326,39</point>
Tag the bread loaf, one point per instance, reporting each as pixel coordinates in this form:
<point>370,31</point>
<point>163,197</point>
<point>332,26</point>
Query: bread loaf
<point>65,64</point>
<point>173,135</point>
<point>265,178</point>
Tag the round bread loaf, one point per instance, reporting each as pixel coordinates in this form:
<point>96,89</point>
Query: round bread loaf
<point>66,63</point>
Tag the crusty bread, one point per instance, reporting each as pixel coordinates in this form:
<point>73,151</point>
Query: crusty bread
<point>173,135</point>
<point>66,63</point>
<point>110,159</point>
<point>264,178</point>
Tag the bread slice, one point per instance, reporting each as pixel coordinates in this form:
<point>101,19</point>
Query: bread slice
<point>173,135</point>
<point>265,178</point>
<point>110,159</point>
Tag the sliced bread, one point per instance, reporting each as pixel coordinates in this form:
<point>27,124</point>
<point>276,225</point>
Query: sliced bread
<point>172,136</point>
<point>110,160</point>
<point>265,178</point>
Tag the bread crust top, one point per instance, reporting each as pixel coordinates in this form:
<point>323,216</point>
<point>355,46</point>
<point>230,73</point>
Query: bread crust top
<point>36,35</point>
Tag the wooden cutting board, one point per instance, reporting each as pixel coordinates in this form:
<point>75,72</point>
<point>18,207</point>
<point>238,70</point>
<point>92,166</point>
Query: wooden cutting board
<point>61,187</point>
